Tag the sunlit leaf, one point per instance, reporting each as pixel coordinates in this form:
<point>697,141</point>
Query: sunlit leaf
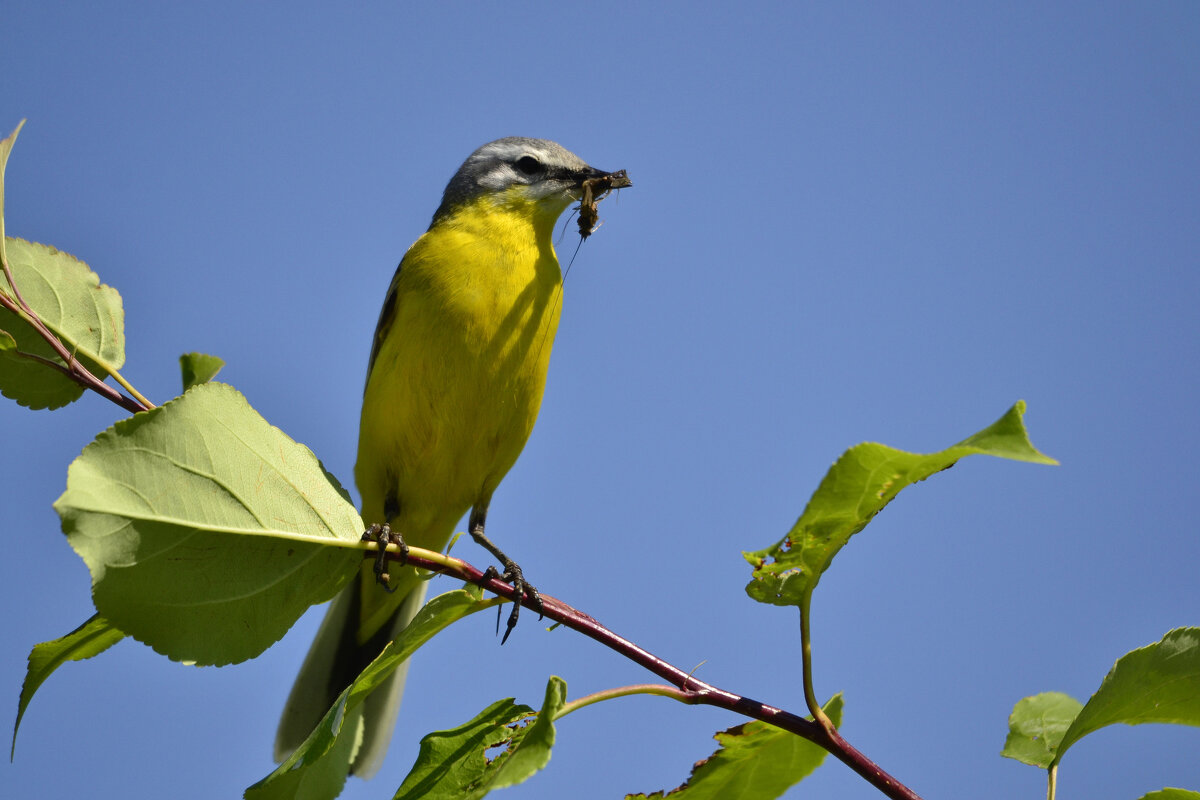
<point>865,479</point>
<point>1156,683</point>
<point>1171,794</point>
<point>1037,725</point>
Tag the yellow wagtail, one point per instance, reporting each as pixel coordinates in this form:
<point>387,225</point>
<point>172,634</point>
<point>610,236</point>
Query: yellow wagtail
<point>455,379</point>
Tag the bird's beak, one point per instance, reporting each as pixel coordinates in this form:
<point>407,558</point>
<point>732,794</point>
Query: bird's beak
<point>596,183</point>
<point>610,180</point>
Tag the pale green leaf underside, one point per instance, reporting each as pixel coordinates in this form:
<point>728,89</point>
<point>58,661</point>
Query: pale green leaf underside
<point>1156,683</point>
<point>68,297</point>
<point>1037,725</point>
<point>206,530</point>
<point>319,766</point>
<point>89,639</point>
<point>856,488</point>
<point>755,761</point>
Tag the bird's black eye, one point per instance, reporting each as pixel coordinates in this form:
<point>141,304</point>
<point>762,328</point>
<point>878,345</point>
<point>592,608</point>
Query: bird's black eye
<point>528,165</point>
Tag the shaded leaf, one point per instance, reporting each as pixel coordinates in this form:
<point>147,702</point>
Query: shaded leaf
<point>198,368</point>
<point>1036,727</point>
<point>529,750</point>
<point>319,767</point>
<point>755,761</point>
<point>454,764</point>
<point>451,764</point>
<point>83,313</point>
<point>89,639</point>
<point>865,479</point>
<point>321,772</point>
<point>1156,683</point>
<point>207,531</point>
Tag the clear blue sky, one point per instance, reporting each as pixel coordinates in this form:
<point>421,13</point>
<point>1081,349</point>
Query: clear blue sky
<point>869,222</point>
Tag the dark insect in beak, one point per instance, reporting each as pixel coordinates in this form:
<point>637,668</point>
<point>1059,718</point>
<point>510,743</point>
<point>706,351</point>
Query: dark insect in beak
<point>595,190</point>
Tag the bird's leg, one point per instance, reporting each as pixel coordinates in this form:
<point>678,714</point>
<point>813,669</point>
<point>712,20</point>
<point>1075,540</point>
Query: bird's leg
<point>512,573</point>
<point>383,535</point>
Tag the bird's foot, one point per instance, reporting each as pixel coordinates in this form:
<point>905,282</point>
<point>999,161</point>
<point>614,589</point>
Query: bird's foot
<point>521,589</point>
<point>383,535</point>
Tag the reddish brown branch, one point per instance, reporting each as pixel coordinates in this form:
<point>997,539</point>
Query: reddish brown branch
<point>694,690</point>
<point>73,369</point>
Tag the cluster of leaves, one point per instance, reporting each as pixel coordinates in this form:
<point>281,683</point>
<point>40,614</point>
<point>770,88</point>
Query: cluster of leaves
<point>1156,683</point>
<point>207,532</point>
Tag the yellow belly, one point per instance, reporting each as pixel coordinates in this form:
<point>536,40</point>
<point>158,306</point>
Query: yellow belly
<point>457,380</point>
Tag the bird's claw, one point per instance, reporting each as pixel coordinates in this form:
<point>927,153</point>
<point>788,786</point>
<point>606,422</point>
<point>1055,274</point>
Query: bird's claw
<point>521,589</point>
<point>383,535</point>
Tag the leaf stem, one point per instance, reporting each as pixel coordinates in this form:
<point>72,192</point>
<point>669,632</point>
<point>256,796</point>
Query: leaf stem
<point>810,696</point>
<point>119,378</point>
<point>1051,781</point>
<point>687,689</point>
<point>660,689</point>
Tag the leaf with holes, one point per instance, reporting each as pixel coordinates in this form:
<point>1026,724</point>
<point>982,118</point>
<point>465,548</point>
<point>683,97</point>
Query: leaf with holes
<point>455,764</point>
<point>865,479</point>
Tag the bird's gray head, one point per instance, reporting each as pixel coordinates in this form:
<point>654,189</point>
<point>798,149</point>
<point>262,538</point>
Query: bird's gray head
<point>549,172</point>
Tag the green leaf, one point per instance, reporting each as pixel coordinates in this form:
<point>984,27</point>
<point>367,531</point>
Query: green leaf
<point>1156,683</point>
<point>755,761</point>
<point>529,750</point>
<point>83,313</point>
<point>1171,794</point>
<point>207,531</point>
<point>454,764</point>
<point>198,368</point>
<point>857,487</point>
<point>89,639</point>
<point>1037,725</point>
<point>319,766</point>
<point>6,146</point>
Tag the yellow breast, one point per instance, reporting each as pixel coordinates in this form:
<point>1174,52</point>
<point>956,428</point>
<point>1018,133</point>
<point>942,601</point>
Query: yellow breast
<point>458,376</point>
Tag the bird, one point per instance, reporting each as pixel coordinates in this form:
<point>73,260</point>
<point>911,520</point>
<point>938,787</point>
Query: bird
<point>454,383</point>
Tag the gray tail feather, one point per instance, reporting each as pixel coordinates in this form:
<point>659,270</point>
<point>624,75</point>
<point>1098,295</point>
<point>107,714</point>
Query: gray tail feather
<point>333,661</point>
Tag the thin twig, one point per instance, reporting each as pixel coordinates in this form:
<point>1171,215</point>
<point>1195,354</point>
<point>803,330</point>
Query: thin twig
<point>691,690</point>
